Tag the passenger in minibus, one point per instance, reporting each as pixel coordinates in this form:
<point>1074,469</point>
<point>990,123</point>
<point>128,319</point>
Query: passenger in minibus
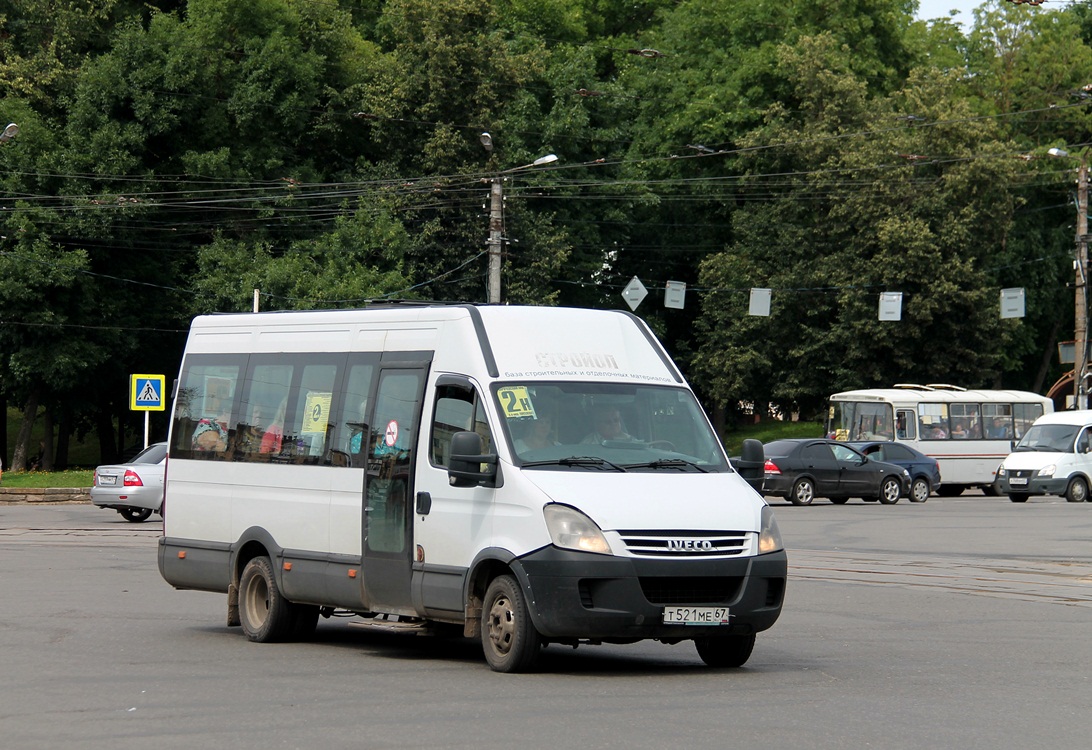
<point>274,433</point>
<point>608,426</point>
<point>539,435</point>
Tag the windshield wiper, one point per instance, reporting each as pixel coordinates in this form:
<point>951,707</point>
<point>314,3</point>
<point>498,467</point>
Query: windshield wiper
<point>578,461</point>
<point>669,463</point>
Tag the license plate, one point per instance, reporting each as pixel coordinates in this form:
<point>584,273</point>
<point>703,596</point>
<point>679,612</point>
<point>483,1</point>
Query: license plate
<point>107,481</point>
<point>1018,481</point>
<point>696,615</point>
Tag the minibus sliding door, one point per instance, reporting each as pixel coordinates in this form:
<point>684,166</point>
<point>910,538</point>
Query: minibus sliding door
<point>388,488</point>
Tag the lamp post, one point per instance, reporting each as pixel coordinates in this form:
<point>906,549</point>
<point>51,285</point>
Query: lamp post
<point>10,132</point>
<point>496,216</point>
<point>1080,301</point>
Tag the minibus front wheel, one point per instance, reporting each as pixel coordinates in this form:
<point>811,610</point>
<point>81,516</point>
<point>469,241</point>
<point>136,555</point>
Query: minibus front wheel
<point>509,639</point>
<point>726,650</point>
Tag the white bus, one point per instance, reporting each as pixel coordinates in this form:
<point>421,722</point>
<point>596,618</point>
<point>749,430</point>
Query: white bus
<point>969,432</point>
<point>527,475</point>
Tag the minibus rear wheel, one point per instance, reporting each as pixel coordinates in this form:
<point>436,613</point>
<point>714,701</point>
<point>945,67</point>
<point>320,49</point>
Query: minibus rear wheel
<point>725,651</point>
<point>266,616</point>
<point>509,639</point>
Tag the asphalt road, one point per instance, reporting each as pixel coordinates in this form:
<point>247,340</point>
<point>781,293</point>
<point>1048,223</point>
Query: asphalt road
<point>961,623</point>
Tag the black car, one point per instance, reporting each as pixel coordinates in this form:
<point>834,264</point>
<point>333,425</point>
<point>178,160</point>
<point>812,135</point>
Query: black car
<point>924,470</point>
<point>805,468</point>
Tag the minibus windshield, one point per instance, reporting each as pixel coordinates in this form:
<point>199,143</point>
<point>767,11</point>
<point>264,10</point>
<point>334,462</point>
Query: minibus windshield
<point>592,426</point>
<point>1052,438</point>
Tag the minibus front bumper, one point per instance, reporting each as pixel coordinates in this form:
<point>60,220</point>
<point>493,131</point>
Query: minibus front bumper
<point>586,596</point>
<point>1034,485</point>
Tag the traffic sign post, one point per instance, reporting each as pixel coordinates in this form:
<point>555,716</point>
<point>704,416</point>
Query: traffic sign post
<point>146,395</point>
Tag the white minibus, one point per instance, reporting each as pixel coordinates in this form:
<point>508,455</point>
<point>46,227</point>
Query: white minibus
<point>968,432</point>
<point>529,475</point>
<point>1054,457</point>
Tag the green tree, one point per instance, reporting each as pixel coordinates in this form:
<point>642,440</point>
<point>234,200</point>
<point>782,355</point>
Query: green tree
<point>853,199</point>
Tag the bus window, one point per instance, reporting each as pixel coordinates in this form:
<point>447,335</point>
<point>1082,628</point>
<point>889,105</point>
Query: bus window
<point>966,421</point>
<point>263,410</point>
<point>1023,416</point>
<point>354,412</point>
<point>933,421</point>
<point>313,422</point>
<point>202,419</point>
<point>998,421</point>
<point>860,420</point>
<point>906,425</point>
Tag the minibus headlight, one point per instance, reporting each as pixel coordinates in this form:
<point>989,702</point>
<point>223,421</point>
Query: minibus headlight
<point>1048,471</point>
<point>1001,472</point>
<point>769,539</point>
<point>571,529</point>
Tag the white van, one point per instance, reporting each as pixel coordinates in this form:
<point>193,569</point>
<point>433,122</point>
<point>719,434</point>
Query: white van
<point>1054,457</point>
<point>529,475</point>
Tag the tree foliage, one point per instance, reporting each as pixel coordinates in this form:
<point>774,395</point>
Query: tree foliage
<point>176,155</point>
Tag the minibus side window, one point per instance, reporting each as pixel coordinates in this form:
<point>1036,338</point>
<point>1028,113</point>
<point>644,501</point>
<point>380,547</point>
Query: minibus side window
<point>264,411</point>
<point>353,440</point>
<point>313,424</point>
<point>458,408</point>
<point>202,420</point>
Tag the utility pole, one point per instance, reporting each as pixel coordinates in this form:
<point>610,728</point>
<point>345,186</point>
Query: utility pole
<point>496,216</point>
<point>496,225</point>
<point>1080,303</point>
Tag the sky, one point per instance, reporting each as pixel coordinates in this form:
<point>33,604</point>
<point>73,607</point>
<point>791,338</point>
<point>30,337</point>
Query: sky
<point>939,9</point>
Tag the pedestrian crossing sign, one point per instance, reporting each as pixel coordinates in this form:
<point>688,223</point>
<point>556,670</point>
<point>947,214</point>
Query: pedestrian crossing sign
<point>146,393</point>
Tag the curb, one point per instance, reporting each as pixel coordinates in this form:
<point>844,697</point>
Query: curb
<point>39,495</point>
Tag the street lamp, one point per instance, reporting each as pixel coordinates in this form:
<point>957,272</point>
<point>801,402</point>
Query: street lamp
<point>1080,303</point>
<point>10,132</point>
<point>496,216</point>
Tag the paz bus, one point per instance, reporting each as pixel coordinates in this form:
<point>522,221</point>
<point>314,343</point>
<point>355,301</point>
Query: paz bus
<point>969,432</point>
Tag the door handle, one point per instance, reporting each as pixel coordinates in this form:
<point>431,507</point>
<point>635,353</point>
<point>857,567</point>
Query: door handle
<point>424,503</point>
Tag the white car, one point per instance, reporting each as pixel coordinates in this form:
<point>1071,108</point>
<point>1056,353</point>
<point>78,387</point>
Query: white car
<point>134,489</point>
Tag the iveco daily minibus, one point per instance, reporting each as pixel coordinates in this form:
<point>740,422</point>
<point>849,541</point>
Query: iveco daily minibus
<point>529,475</point>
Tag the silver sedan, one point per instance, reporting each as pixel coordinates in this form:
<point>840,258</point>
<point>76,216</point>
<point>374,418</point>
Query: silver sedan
<point>134,489</point>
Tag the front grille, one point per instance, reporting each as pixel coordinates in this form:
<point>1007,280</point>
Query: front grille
<point>697,590</point>
<point>1025,473</point>
<point>685,544</point>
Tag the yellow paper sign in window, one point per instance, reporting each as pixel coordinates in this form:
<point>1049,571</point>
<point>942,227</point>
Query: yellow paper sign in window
<point>317,412</point>
<point>516,402</point>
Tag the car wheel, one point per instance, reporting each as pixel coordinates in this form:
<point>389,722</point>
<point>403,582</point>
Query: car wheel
<point>135,515</point>
<point>919,491</point>
<point>890,489</point>
<point>1019,497</point>
<point>726,650</point>
<point>839,500</point>
<point>803,492</point>
<point>509,639</point>
<point>266,616</point>
<point>1077,492</point>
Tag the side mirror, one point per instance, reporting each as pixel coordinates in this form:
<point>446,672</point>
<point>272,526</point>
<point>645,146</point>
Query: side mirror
<point>464,467</point>
<point>752,463</point>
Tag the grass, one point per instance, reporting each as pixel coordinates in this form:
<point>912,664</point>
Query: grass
<point>38,479</point>
<point>767,431</point>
